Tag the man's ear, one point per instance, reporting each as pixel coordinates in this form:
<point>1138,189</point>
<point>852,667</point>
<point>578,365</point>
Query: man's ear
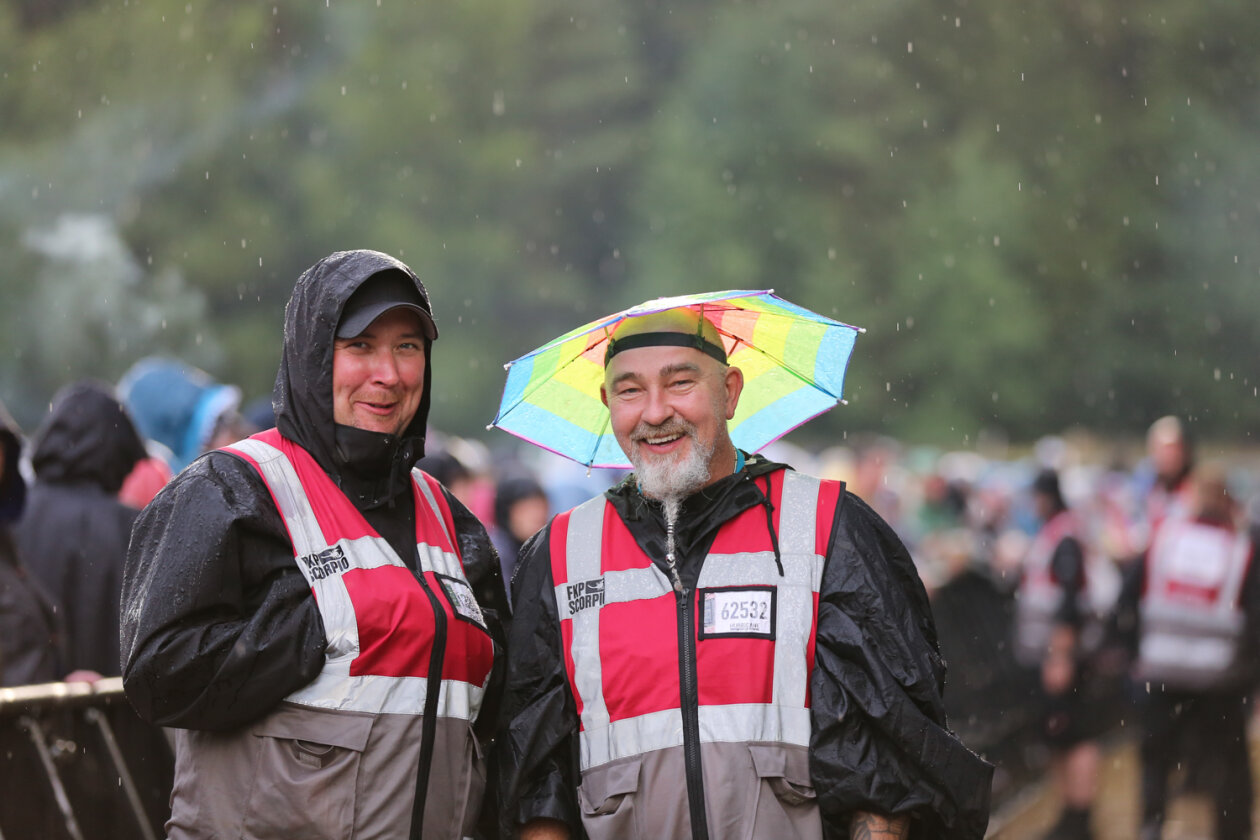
<point>734,382</point>
<point>603,395</point>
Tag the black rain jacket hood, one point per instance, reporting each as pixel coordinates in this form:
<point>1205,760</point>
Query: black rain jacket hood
<point>87,438</point>
<point>303,396</point>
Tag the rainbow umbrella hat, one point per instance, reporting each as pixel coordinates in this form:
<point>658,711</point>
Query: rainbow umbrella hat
<point>793,362</point>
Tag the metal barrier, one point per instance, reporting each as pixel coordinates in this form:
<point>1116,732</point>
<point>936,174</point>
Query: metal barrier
<point>989,699</point>
<point>68,773</point>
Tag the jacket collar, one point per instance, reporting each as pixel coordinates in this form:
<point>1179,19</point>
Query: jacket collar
<point>701,514</point>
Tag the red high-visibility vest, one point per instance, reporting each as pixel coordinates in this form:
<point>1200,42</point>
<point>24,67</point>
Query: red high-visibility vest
<point>378,620</point>
<point>1191,612</point>
<point>754,628</point>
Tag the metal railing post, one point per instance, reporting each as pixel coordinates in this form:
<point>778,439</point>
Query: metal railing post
<point>32,727</point>
<point>95,716</point>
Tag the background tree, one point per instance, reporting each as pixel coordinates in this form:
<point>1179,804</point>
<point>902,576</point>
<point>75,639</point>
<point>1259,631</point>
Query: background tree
<point>1041,213</point>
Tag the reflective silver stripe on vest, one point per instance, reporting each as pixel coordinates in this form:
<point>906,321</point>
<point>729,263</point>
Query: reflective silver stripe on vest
<point>1184,643</point>
<point>433,558</point>
<point>737,722</point>
<point>787,719</point>
<point>586,535</point>
<point>335,687</point>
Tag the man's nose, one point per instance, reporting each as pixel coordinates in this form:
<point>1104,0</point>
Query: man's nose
<point>658,408</point>
<point>384,368</point>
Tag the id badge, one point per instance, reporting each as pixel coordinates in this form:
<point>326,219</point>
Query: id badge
<point>744,612</point>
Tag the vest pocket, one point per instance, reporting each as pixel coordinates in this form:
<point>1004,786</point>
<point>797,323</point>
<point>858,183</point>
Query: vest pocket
<point>607,796</point>
<point>787,804</point>
<point>306,774</point>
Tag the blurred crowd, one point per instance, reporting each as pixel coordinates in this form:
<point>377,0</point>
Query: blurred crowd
<point>976,523</point>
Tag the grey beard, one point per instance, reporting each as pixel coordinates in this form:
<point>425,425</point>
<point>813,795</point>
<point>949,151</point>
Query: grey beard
<point>668,481</point>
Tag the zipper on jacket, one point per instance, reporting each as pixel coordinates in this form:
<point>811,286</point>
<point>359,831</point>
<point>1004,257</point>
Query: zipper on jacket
<point>689,699</point>
<point>433,687</point>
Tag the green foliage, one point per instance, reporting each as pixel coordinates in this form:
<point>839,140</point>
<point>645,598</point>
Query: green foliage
<point>1041,212</point>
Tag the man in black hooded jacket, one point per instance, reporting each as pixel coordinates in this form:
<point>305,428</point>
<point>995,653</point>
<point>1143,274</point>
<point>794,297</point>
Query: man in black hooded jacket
<point>318,618</point>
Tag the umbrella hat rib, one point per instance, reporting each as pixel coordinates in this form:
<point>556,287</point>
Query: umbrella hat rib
<point>781,363</point>
<point>590,459</point>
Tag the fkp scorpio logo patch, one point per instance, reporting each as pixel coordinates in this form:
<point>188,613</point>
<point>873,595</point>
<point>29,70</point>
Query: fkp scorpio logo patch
<point>585,594</point>
<point>330,561</point>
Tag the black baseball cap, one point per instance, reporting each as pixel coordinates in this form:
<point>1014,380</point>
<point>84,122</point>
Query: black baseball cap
<point>379,294</point>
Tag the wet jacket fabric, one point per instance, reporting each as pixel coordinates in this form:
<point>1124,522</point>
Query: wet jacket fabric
<point>220,626</point>
<point>30,637</point>
<point>74,533</point>
<point>29,653</point>
<point>876,727</point>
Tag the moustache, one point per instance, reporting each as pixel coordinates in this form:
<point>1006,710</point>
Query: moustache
<point>671,428</point>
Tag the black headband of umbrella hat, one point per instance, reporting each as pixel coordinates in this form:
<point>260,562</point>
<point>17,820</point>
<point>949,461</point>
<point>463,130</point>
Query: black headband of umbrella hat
<point>664,339</point>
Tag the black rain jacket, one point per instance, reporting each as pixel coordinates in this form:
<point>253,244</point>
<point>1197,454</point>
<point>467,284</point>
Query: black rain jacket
<point>879,740</point>
<point>73,535</point>
<point>30,635</point>
<point>219,624</point>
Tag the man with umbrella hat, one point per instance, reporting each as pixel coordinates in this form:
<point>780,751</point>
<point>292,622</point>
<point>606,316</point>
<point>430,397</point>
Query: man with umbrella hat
<point>719,646</point>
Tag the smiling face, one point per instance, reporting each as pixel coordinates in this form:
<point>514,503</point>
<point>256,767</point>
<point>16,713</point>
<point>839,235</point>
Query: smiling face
<point>668,408</point>
<point>378,375</point>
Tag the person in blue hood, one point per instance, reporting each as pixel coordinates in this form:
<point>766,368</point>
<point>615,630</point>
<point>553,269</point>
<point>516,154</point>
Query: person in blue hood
<point>181,408</point>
